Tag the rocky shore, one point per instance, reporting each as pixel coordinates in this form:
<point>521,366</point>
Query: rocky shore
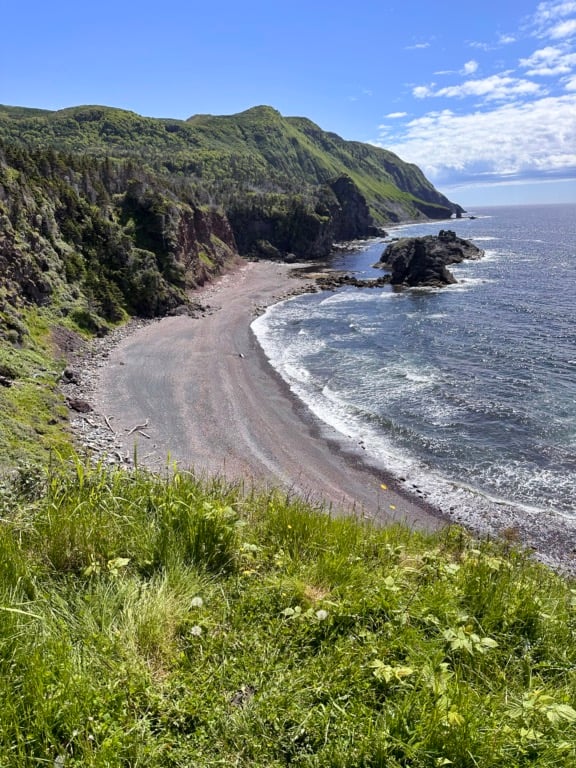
<point>92,430</point>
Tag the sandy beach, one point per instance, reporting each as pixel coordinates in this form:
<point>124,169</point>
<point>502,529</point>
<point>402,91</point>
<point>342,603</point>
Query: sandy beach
<point>212,402</point>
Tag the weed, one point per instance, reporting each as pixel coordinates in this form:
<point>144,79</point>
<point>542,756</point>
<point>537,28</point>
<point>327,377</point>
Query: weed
<point>170,622</point>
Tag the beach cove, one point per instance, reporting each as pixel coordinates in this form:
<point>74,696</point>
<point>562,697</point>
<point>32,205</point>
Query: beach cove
<point>211,401</point>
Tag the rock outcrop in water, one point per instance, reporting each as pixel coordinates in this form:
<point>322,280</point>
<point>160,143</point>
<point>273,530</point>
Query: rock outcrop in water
<point>416,261</point>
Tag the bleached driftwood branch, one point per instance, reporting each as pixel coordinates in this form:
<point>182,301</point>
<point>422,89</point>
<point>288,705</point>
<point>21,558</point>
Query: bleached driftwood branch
<point>138,428</point>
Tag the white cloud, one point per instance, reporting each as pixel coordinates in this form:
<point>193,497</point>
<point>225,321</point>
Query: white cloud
<point>470,67</point>
<point>553,9</point>
<point>417,46</point>
<point>552,19</point>
<point>395,115</point>
<point>532,140</point>
<point>493,88</point>
<point>563,29</point>
<point>479,45</point>
<point>549,61</point>
<point>506,39</point>
<point>422,91</point>
<point>570,84</point>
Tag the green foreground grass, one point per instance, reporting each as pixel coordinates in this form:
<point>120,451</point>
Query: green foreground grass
<point>150,621</point>
<point>34,417</point>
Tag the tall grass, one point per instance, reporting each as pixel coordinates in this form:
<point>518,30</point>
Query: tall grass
<point>149,621</point>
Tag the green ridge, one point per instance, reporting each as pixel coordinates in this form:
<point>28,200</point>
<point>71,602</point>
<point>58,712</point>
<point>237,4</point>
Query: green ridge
<point>258,147</point>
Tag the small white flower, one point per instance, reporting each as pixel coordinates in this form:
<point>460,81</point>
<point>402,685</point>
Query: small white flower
<point>196,631</point>
<point>321,615</point>
<point>197,602</point>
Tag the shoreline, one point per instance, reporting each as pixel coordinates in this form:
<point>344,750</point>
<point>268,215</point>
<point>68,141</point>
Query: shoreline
<point>213,402</point>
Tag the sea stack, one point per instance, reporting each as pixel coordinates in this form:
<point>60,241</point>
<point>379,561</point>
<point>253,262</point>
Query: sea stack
<point>415,261</point>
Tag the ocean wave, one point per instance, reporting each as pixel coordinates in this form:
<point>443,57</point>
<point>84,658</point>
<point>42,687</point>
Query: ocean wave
<point>433,316</point>
<point>297,373</point>
<point>355,297</point>
<point>492,255</point>
<point>466,283</point>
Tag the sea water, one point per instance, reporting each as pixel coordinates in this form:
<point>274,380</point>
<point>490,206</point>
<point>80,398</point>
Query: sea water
<point>468,390</point>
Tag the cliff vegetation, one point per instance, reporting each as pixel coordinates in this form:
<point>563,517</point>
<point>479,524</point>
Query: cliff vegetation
<point>287,186</point>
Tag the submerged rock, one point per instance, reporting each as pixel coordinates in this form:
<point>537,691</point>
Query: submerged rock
<point>416,261</point>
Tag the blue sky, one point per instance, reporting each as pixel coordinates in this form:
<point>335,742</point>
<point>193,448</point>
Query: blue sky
<point>481,96</point>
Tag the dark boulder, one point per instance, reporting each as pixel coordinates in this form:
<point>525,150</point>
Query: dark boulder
<point>70,376</point>
<point>416,261</point>
<point>78,405</point>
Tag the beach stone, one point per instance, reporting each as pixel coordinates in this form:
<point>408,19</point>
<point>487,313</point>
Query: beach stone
<point>70,376</point>
<point>79,405</point>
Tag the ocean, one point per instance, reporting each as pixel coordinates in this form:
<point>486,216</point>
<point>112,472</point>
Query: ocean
<point>468,391</point>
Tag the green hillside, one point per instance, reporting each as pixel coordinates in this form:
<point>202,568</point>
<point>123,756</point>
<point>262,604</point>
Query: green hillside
<point>258,150</point>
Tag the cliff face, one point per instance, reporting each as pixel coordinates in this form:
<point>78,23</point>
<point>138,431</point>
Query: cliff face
<point>81,234</point>
<point>353,218</point>
<point>191,244</point>
<point>306,228</point>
